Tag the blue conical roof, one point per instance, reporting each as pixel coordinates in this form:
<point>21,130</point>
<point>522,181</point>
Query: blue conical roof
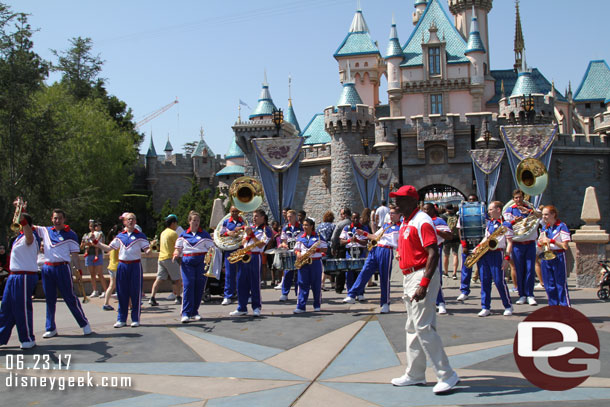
<point>394,48</point>
<point>168,146</point>
<point>595,85</point>
<point>151,149</point>
<point>349,95</point>
<point>290,117</point>
<point>201,147</point>
<point>265,104</point>
<point>358,40</point>
<point>475,44</point>
<point>525,85</point>
<point>234,150</point>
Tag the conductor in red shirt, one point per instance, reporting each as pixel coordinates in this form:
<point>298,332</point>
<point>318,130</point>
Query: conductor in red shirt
<point>418,260</point>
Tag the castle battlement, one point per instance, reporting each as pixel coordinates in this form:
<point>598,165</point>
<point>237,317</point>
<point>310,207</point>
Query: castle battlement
<point>576,142</point>
<point>345,118</point>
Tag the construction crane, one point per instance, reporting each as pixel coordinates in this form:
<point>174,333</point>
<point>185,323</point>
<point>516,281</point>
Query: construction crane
<point>156,113</point>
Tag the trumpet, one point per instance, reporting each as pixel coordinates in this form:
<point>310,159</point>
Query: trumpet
<point>242,254</point>
<point>306,257</point>
<point>548,254</point>
<point>490,244</point>
<point>20,206</point>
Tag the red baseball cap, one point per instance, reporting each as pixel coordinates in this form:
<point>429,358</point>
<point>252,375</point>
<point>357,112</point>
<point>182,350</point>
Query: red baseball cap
<point>405,190</point>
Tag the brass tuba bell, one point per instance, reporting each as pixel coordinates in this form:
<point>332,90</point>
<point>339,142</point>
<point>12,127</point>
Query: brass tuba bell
<point>532,176</point>
<point>246,194</point>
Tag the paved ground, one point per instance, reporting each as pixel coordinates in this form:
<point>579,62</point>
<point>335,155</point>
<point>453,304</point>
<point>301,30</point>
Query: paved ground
<point>342,356</point>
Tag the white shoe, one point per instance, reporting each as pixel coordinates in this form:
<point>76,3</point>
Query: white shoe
<point>349,300</point>
<point>184,319</point>
<point>317,309</point>
<point>27,345</point>
<point>521,300</point>
<point>531,301</point>
<point>442,310</point>
<point>539,286</point>
<point>257,312</point>
<point>298,311</point>
<point>94,294</point>
<point>119,324</point>
<point>360,298</point>
<point>135,324</point>
<point>87,330</point>
<point>171,297</point>
<point>195,318</point>
<point>404,380</point>
<point>484,313</point>
<point>385,309</point>
<point>508,312</point>
<point>462,297</point>
<point>226,301</point>
<point>283,297</point>
<point>249,300</point>
<point>103,294</point>
<point>446,385</point>
<point>49,334</point>
<point>278,287</point>
<point>237,313</point>
<point>115,295</point>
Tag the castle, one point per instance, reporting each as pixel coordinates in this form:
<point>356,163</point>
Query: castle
<point>443,100</point>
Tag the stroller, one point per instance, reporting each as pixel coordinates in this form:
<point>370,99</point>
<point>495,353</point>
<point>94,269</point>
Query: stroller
<point>604,283</point>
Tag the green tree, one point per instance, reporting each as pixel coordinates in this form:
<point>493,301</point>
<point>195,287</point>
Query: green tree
<point>80,69</point>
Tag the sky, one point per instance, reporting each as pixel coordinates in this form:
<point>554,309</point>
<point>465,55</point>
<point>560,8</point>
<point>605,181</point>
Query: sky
<point>209,54</point>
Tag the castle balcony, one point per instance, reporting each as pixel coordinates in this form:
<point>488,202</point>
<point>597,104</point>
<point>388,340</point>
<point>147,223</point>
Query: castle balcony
<point>601,123</point>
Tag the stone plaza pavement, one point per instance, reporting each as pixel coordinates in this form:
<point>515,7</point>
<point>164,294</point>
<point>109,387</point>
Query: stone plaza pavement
<point>342,356</point>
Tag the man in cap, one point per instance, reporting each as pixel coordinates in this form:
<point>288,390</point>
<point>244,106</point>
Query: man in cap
<point>166,268</point>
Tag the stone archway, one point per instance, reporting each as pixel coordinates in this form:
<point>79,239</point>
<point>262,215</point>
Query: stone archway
<point>441,194</point>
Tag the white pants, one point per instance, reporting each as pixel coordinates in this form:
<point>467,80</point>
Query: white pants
<point>422,339</point>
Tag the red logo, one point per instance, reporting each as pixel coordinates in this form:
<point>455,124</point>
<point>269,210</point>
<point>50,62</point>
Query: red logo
<point>557,348</point>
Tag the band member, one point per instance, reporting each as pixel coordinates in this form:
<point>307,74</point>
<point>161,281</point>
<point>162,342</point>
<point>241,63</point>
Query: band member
<point>556,235</point>
<point>379,259</point>
<point>355,246</point>
<point>129,276</point>
<point>310,275</point>
<point>193,244</point>
<point>16,307</point>
<point>248,274</point>
<point>231,227</point>
<point>524,252</point>
<point>467,247</point>
<point>494,262</point>
<point>418,260</point>
<point>60,249</point>
<point>442,232</point>
<point>290,232</point>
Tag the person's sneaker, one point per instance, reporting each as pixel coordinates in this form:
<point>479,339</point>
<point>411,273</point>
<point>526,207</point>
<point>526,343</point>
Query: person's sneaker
<point>135,324</point>
<point>27,345</point>
<point>317,309</point>
<point>87,330</point>
<point>404,380</point>
<point>195,318</point>
<point>521,300</point>
<point>184,319</point>
<point>539,286</point>
<point>153,302</point>
<point>484,313</point>
<point>514,290</point>
<point>349,300</point>
<point>385,309</point>
<point>360,298</point>
<point>107,307</point>
<point>278,287</point>
<point>462,297</point>
<point>238,313</point>
<point>454,276</point>
<point>444,386</point>
<point>283,297</point>
<point>249,300</point>
<point>171,297</point>
<point>94,294</point>
<point>115,295</point>
<point>508,312</point>
<point>298,311</point>
<point>49,334</point>
<point>226,301</point>
<point>103,294</point>
<point>178,300</point>
<point>531,301</point>
<point>257,312</point>
<point>442,310</point>
<point>119,324</point>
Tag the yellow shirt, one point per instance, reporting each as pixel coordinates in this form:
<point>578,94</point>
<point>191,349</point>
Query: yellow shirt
<point>113,260</point>
<point>167,242</point>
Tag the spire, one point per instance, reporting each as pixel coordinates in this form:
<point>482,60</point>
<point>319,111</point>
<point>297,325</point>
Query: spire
<point>202,149</point>
<point>475,44</point>
<point>151,148</point>
<point>358,23</point>
<point>265,104</point>
<point>519,41</point>
<point>394,48</point>
<point>289,115</point>
<point>168,145</point>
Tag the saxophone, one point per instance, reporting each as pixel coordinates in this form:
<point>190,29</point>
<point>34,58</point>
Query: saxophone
<point>242,254</point>
<point>490,244</point>
<point>373,242</point>
<point>305,258</point>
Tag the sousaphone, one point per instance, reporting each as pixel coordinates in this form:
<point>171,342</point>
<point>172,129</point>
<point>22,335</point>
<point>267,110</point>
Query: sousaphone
<point>532,179</point>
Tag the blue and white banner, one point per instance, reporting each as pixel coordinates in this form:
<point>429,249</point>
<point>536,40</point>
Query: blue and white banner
<point>534,141</point>
<point>365,168</point>
<point>486,165</point>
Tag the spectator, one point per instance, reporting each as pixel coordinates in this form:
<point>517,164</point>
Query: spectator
<point>94,258</point>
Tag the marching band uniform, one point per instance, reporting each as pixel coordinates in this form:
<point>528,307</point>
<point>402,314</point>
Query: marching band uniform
<point>349,233</point>
<point>289,234</point>
<point>379,259</point>
<point>194,246</point>
<point>524,257</point>
<point>16,308</point>
<point>129,278</point>
<point>490,268</point>
<point>554,271</point>
<point>230,291</point>
<point>440,225</point>
<point>310,275</point>
<point>249,274</point>
<point>58,246</point>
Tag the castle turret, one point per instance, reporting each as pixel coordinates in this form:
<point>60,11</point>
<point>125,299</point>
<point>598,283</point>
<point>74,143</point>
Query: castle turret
<point>394,57</point>
<point>420,6</point>
<point>462,10</point>
<point>152,153</point>
<point>168,149</point>
<point>475,52</point>
<point>289,115</point>
<point>264,108</point>
<point>519,41</point>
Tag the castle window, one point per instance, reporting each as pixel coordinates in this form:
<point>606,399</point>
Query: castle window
<point>434,60</point>
<point>436,104</point>
<point>587,105</point>
<point>357,64</point>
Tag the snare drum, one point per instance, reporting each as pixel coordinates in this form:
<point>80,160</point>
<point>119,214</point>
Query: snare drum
<point>331,266</point>
<point>472,220</point>
<point>287,260</point>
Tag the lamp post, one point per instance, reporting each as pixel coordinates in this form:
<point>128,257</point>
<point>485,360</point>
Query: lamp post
<point>365,145</point>
<point>278,119</point>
